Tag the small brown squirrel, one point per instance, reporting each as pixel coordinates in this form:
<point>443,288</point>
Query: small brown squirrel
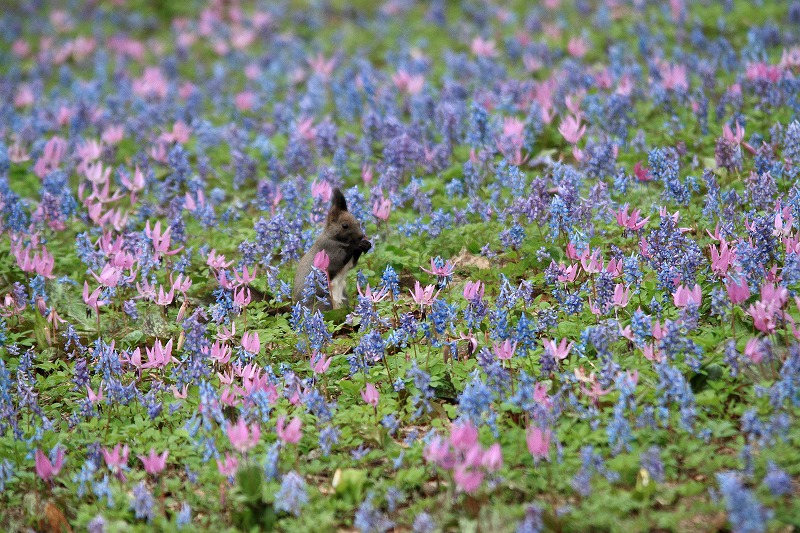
<point>344,242</point>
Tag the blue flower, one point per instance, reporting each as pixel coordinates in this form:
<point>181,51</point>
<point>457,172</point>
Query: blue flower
<point>777,481</point>
<point>368,519</point>
<point>292,496</point>
<point>651,461</point>
<point>423,523</point>
<point>745,513</point>
<point>142,503</point>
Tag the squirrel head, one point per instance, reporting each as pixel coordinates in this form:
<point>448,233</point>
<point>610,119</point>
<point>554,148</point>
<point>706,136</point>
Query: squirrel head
<point>342,226</point>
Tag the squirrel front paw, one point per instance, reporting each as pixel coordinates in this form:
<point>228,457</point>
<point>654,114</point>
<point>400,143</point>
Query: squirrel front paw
<point>364,245</point>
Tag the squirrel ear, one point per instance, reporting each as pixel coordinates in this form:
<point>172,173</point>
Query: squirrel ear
<point>338,203</point>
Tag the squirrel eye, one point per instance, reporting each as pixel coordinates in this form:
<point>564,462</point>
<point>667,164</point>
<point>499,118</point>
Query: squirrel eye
<point>345,225</point>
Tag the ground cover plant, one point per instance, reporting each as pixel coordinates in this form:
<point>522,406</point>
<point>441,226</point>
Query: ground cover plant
<point>579,311</point>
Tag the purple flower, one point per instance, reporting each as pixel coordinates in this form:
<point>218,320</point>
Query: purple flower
<point>292,496</point>
<point>777,481</point>
<point>745,513</point>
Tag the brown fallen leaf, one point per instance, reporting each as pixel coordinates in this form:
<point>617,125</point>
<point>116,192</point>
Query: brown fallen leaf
<point>464,258</point>
<point>54,520</point>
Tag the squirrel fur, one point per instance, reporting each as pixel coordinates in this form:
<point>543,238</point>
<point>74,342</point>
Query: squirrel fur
<point>344,242</point>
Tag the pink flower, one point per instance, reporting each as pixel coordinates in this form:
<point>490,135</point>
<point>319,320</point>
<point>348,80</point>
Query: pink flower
<point>493,458</point>
<point>182,284</point>
<point>53,153</point>
<point>783,223</point>
<point>242,437</point>
<point>683,296</point>
<point>674,77</point>
<point>483,47</point>
<point>468,479</point>
<point>242,298</point>
<point>408,83</point>
<point>246,276</point>
<point>444,271</point>
<point>789,58</point>
<point>160,355</point>
<point>160,240</point>
<point>320,363</point>
<point>729,135</point>
<point>136,184</point>
<point>375,297</point>
<point>774,296</point>
<point>322,190</point>
<point>514,128</point>
<point>473,291</point>
<point>538,441</point>
<point>754,350</point>
<point>463,435</point>
<point>47,469</point>
<point>250,342</point>
<point>21,48</point>
<point>229,466</point>
<point>571,129</point>
<point>91,299</point>
<point>738,292</point>
<point>17,153</point>
<point>625,87</point>
<point>321,66</point>
<point>596,391</point>
<point>540,394</point>
<point>321,260</point>
<point>722,257</point>
<point>567,273</point>
<point>532,63</point>
<point>577,47</point>
<point>154,463</point>
<point>592,263</point>
<point>180,394</point>
<point>217,261</point>
<point>43,263</point>
<point>423,296</point>
<point>621,295</point>
<point>116,459</point>
<point>651,353</point>
<point>95,397</point>
<point>109,276</point>
<point>113,134</point>
<point>151,84</point>
<point>438,452</point>
<point>245,100</point>
<point>366,173</point>
<point>381,208</point>
<point>224,334</point>
<point>561,350</point>
<point>505,350</point>
<point>763,317</point>
<point>641,172</point>
<point>24,96</point>
<point>180,133</point>
<point>290,434</point>
<point>370,395</point>
<point>632,221</point>
<point>220,352</point>
<point>657,331</point>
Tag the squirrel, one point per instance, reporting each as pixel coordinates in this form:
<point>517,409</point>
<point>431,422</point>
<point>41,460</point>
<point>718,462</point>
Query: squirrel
<point>344,242</point>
